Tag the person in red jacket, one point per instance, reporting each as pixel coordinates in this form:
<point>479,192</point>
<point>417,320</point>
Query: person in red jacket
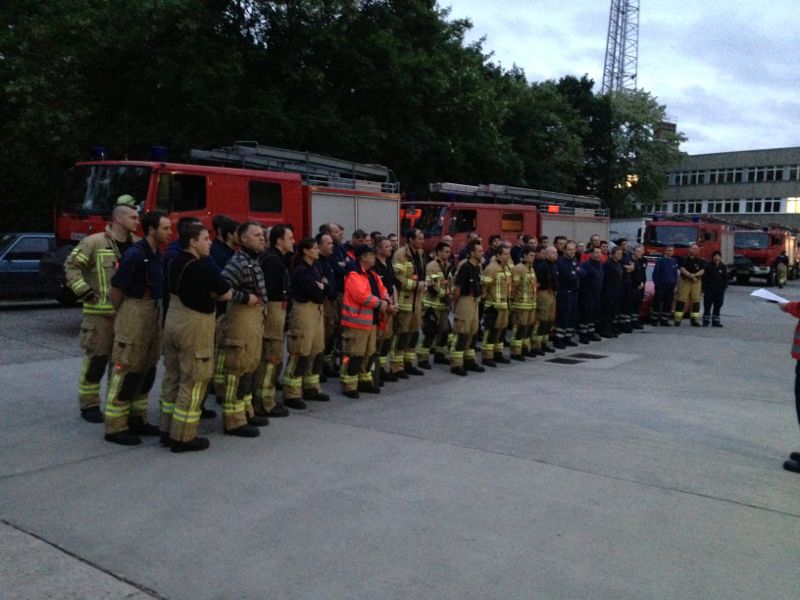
<point>793,308</point>
<point>363,309</point>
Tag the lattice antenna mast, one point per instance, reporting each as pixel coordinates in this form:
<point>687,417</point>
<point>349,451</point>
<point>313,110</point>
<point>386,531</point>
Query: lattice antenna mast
<point>622,47</point>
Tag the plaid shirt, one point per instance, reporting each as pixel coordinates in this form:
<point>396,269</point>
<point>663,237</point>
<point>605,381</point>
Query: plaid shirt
<point>245,276</point>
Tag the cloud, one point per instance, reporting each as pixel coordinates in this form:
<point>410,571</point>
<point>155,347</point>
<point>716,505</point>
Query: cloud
<point>725,69</point>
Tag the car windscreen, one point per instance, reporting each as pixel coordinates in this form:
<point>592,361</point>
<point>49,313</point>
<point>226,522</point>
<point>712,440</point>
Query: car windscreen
<point>6,239</point>
<point>751,240</point>
<point>671,235</point>
<point>95,189</point>
<point>430,219</point>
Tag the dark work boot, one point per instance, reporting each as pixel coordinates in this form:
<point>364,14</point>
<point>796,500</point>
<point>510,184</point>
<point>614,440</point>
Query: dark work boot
<point>473,366</point>
<point>461,371</point>
<point>424,364</point>
<point>368,387</point>
<point>92,414</point>
<point>279,411</point>
<point>196,445</point>
<point>559,344</point>
<point>138,426</point>
<point>352,394</point>
<point>440,359</point>
<point>256,421</point>
<point>295,403</point>
<point>124,438</point>
<point>246,431</point>
<point>519,357</point>
<point>412,370</point>
<point>316,395</point>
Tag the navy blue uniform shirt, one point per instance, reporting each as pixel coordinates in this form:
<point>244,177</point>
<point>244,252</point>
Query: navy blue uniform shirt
<point>140,272</point>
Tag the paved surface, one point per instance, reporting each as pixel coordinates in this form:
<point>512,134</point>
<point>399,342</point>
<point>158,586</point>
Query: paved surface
<point>654,472</point>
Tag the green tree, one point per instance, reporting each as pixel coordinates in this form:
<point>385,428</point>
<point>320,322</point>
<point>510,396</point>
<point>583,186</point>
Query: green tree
<point>643,151</point>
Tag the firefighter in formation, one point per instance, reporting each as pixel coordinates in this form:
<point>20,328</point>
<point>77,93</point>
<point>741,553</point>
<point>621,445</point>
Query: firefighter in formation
<point>269,320</point>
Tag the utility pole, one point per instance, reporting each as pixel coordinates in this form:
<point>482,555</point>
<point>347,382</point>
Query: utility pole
<point>622,47</point>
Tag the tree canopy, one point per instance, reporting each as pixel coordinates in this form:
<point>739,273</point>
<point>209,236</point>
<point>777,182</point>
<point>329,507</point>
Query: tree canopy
<point>380,81</point>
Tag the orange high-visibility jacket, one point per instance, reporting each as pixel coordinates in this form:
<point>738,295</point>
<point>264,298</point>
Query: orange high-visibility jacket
<point>360,299</point>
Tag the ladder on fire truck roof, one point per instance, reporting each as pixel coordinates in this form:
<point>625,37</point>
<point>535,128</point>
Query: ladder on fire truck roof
<point>734,223</point>
<point>315,169</point>
<point>506,194</point>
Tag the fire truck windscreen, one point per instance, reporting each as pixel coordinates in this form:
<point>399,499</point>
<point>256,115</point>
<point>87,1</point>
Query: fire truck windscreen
<point>94,189</point>
<point>671,235</point>
<point>751,240</point>
<point>430,219</point>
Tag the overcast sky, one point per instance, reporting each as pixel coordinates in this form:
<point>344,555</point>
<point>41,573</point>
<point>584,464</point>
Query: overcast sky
<point>725,69</point>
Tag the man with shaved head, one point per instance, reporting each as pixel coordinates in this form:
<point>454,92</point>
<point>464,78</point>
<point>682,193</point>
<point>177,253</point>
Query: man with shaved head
<point>89,268</point>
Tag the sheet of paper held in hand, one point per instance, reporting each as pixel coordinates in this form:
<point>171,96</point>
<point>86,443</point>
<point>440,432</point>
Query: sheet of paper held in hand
<point>768,296</point>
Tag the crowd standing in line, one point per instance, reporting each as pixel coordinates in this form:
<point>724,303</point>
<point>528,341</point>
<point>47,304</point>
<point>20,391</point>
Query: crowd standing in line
<point>263,320</point>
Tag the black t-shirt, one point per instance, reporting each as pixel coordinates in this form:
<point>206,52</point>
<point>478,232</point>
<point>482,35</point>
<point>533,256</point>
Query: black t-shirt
<point>693,265</point>
<point>468,279</point>
<point>194,281</point>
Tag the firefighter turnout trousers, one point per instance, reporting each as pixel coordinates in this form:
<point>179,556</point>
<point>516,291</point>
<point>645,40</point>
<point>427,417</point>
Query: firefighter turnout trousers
<point>546,316</point>
<point>465,328</point>
<point>269,367</point>
<point>188,367</point>
<point>306,342</point>
<point>521,328</point>
<point>689,293</point>
<point>358,350</point>
<point>137,348</point>
<point>383,345</point>
<point>240,355</point>
<point>406,335</point>
<point>436,333</point>
<point>97,340</point>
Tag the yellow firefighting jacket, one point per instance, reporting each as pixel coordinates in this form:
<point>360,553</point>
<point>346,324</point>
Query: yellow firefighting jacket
<point>523,287</point>
<point>89,268</point>
<point>496,281</point>
<point>437,294</point>
<point>407,278</point>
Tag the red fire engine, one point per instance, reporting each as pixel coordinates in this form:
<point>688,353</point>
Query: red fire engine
<point>246,182</point>
<point>680,231</point>
<point>457,209</point>
<point>761,246</point>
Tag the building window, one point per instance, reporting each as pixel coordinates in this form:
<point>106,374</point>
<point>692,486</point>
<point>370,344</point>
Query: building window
<point>792,172</point>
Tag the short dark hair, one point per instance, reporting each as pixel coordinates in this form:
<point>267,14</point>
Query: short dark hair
<point>412,233</point>
<point>716,253</point>
<point>493,238</point>
<point>217,221</point>
<point>276,233</point>
<point>190,232</point>
<point>528,250</point>
<point>224,227</point>
<point>471,246</point>
<point>441,246</point>
<point>183,222</point>
<point>325,228</point>
<point>360,234</point>
<point>320,235</point>
<point>152,219</point>
<point>378,240</point>
<point>245,226</point>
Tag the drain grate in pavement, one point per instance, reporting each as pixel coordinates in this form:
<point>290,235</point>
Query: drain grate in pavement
<point>564,361</point>
<point>588,355</point>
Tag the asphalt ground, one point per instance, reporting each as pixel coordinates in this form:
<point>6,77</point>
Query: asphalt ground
<point>651,472</point>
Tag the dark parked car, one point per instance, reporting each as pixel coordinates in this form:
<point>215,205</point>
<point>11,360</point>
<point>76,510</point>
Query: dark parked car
<point>20,254</point>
